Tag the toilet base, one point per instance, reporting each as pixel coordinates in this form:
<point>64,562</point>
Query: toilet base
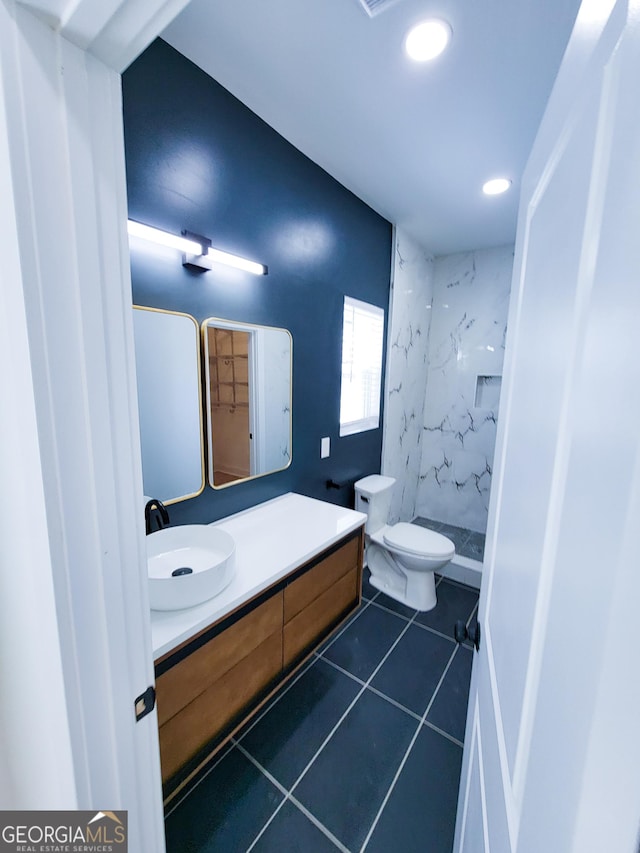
<point>415,589</point>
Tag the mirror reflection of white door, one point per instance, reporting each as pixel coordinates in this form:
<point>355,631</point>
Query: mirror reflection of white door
<point>552,748</point>
<point>256,381</point>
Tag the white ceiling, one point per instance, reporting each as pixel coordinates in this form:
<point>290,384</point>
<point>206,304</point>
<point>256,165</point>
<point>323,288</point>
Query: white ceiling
<point>414,141</point>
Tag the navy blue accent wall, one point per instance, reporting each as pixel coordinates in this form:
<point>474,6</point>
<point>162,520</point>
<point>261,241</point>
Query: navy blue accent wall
<point>198,159</point>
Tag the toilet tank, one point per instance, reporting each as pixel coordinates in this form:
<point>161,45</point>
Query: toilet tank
<point>373,496</point>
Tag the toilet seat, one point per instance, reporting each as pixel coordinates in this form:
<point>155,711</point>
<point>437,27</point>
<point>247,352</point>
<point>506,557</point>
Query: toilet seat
<point>413,539</point>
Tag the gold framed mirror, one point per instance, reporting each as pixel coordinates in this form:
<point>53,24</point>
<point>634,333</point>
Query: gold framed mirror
<point>248,389</point>
<point>169,403</point>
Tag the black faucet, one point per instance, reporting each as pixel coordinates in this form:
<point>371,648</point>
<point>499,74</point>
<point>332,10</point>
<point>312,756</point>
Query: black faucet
<point>161,515</point>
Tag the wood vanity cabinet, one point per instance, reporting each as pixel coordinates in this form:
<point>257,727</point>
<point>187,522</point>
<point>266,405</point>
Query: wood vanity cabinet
<point>208,687</point>
<point>313,601</point>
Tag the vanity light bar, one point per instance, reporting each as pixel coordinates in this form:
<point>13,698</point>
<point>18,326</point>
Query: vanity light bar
<point>163,238</point>
<point>216,256</point>
<point>197,252</point>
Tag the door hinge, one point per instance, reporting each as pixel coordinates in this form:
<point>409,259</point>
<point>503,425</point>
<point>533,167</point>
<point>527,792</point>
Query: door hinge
<point>145,703</point>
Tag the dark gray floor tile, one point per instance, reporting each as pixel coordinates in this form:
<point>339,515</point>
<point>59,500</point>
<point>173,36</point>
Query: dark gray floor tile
<point>288,736</point>
<point>449,709</point>
<point>384,600</point>
<point>454,602</point>
<point>348,781</point>
<point>413,669</point>
<point>361,647</point>
<point>420,814</point>
<point>225,811</point>
<point>291,832</point>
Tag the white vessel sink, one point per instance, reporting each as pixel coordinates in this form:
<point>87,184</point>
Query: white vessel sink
<point>188,564</point>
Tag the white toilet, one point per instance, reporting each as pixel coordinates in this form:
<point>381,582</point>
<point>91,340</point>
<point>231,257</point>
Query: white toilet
<point>401,557</point>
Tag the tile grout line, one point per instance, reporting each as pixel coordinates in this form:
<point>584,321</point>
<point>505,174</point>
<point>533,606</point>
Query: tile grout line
<point>303,670</point>
<point>343,671</point>
<point>434,631</point>
<point>284,690</point>
<point>314,820</point>
<point>316,655</point>
<point>390,610</point>
<point>393,702</point>
<point>293,799</point>
<point>224,752</point>
<point>444,734</point>
<point>279,808</point>
<point>320,656</point>
<point>407,753</point>
<point>347,624</point>
<point>372,689</point>
<point>353,702</point>
<point>288,797</point>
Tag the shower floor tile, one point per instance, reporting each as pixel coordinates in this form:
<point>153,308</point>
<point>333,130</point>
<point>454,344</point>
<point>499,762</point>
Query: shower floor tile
<point>469,543</point>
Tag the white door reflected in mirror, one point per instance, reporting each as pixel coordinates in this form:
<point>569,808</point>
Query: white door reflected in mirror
<point>248,387</point>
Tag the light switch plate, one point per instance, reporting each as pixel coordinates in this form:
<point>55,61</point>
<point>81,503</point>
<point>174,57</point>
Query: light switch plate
<point>325,447</point>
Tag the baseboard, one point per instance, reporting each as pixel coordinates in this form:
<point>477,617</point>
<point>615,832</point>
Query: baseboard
<point>463,570</point>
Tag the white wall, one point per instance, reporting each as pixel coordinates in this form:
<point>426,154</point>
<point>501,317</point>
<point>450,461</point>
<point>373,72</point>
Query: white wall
<point>466,339</point>
<point>410,315</point>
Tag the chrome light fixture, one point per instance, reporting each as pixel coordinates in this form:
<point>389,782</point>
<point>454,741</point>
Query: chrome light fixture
<point>162,238</point>
<point>197,250</point>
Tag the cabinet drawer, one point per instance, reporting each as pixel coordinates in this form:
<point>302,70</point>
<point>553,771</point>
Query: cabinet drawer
<point>301,592</point>
<point>181,684</point>
<point>312,622</point>
<point>199,722</point>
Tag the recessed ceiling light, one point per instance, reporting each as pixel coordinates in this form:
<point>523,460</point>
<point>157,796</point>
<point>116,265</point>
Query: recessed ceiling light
<point>496,186</point>
<point>427,40</point>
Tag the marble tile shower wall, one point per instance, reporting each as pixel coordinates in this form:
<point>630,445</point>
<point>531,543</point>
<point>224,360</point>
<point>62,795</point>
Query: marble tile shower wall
<point>407,353</point>
<point>466,340</point>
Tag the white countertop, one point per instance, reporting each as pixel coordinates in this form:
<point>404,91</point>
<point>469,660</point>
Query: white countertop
<point>272,539</point>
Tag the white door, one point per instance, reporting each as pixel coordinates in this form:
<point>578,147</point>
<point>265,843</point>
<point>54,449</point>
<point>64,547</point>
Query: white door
<point>552,749</point>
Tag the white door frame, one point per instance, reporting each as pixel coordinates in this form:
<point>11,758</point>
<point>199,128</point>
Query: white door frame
<point>74,604</point>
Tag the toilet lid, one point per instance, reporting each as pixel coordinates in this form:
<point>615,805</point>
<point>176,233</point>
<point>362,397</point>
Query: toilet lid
<point>418,540</point>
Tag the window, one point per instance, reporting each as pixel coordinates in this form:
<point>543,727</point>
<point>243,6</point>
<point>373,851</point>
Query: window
<point>362,337</point>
